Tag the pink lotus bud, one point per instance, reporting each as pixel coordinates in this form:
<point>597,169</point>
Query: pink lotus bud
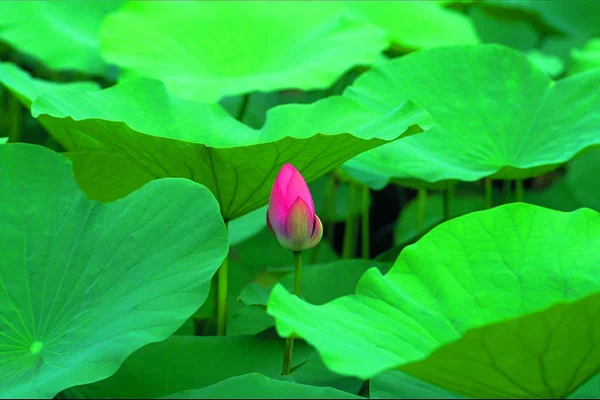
<point>291,213</point>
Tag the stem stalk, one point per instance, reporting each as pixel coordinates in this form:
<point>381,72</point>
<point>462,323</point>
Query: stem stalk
<point>289,342</point>
<point>222,278</point>
<point>365,223</point>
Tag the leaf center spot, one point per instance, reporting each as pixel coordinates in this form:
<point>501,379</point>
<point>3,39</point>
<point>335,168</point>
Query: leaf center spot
<point>36,347</point>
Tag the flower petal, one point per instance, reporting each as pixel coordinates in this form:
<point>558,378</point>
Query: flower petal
<point>297,187</point>
<point>277,210</point>
<point>316,236</point>
<point>284,176</point>
<point>299,225</point>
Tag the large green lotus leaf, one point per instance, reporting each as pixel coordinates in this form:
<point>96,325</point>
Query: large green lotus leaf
<point>496,114</point>
<point>61,34</point>
<point>417,25</point>
<point>498,303</point>
<point>190,362</point>
<point>84,284</point>
<point>586,58</point>
<point>209,49</point>
<point>166,136</point>
<point>398,385</point>
<point>257,386</point>
<point>26,88</point>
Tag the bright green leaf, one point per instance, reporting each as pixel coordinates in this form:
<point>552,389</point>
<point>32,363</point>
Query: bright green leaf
<point>190,362</point>
<point>170,137</point>
<point>26,88</point>
<point>61,34</point>
<point>257,386</point>
<point>499,303</point>
<point>417,25</point>
<point>84,284</point>
<point>496,114</point>
<point>205,50</point>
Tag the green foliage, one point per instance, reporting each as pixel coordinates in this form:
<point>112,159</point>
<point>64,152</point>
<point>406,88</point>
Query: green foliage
<point>179,363</point>
<point>26,88</point>
<point>188,141</point>
<point>474,307</point>
<point>139,144</point>
<point>416,25</point>
<point>495,114</point>
<point>84,284</point>
<point>588,57</point>
<point>256,50</point>
<point>60,34</point>
<point>257,386</point>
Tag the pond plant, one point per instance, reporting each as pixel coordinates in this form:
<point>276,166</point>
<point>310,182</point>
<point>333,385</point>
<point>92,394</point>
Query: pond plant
<point>260,199</point>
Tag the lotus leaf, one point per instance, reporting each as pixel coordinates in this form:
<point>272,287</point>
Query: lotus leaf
<point>166,136</point>
<point>204,50</point>
<point>497,303</point>
<point>495,115</point>
<point>61,34</point>
<point>84,284</point>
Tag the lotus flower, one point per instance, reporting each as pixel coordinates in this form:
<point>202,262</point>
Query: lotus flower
<point>291,213</point>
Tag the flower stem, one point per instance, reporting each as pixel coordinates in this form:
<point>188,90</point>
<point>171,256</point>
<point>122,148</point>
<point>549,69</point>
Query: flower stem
<point>289,342</point>
<point>348,250</point>
<point>365,222</point>
<point>519,190</point>
<point>328,214</point>
<point>421,202</point>
<point>506,189</point>
<point>222,277</point>
<point>243,107</point>
<point>488,192</point>
<point>447,199</point>
<point>14,109</point>
<point>331,224</point>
